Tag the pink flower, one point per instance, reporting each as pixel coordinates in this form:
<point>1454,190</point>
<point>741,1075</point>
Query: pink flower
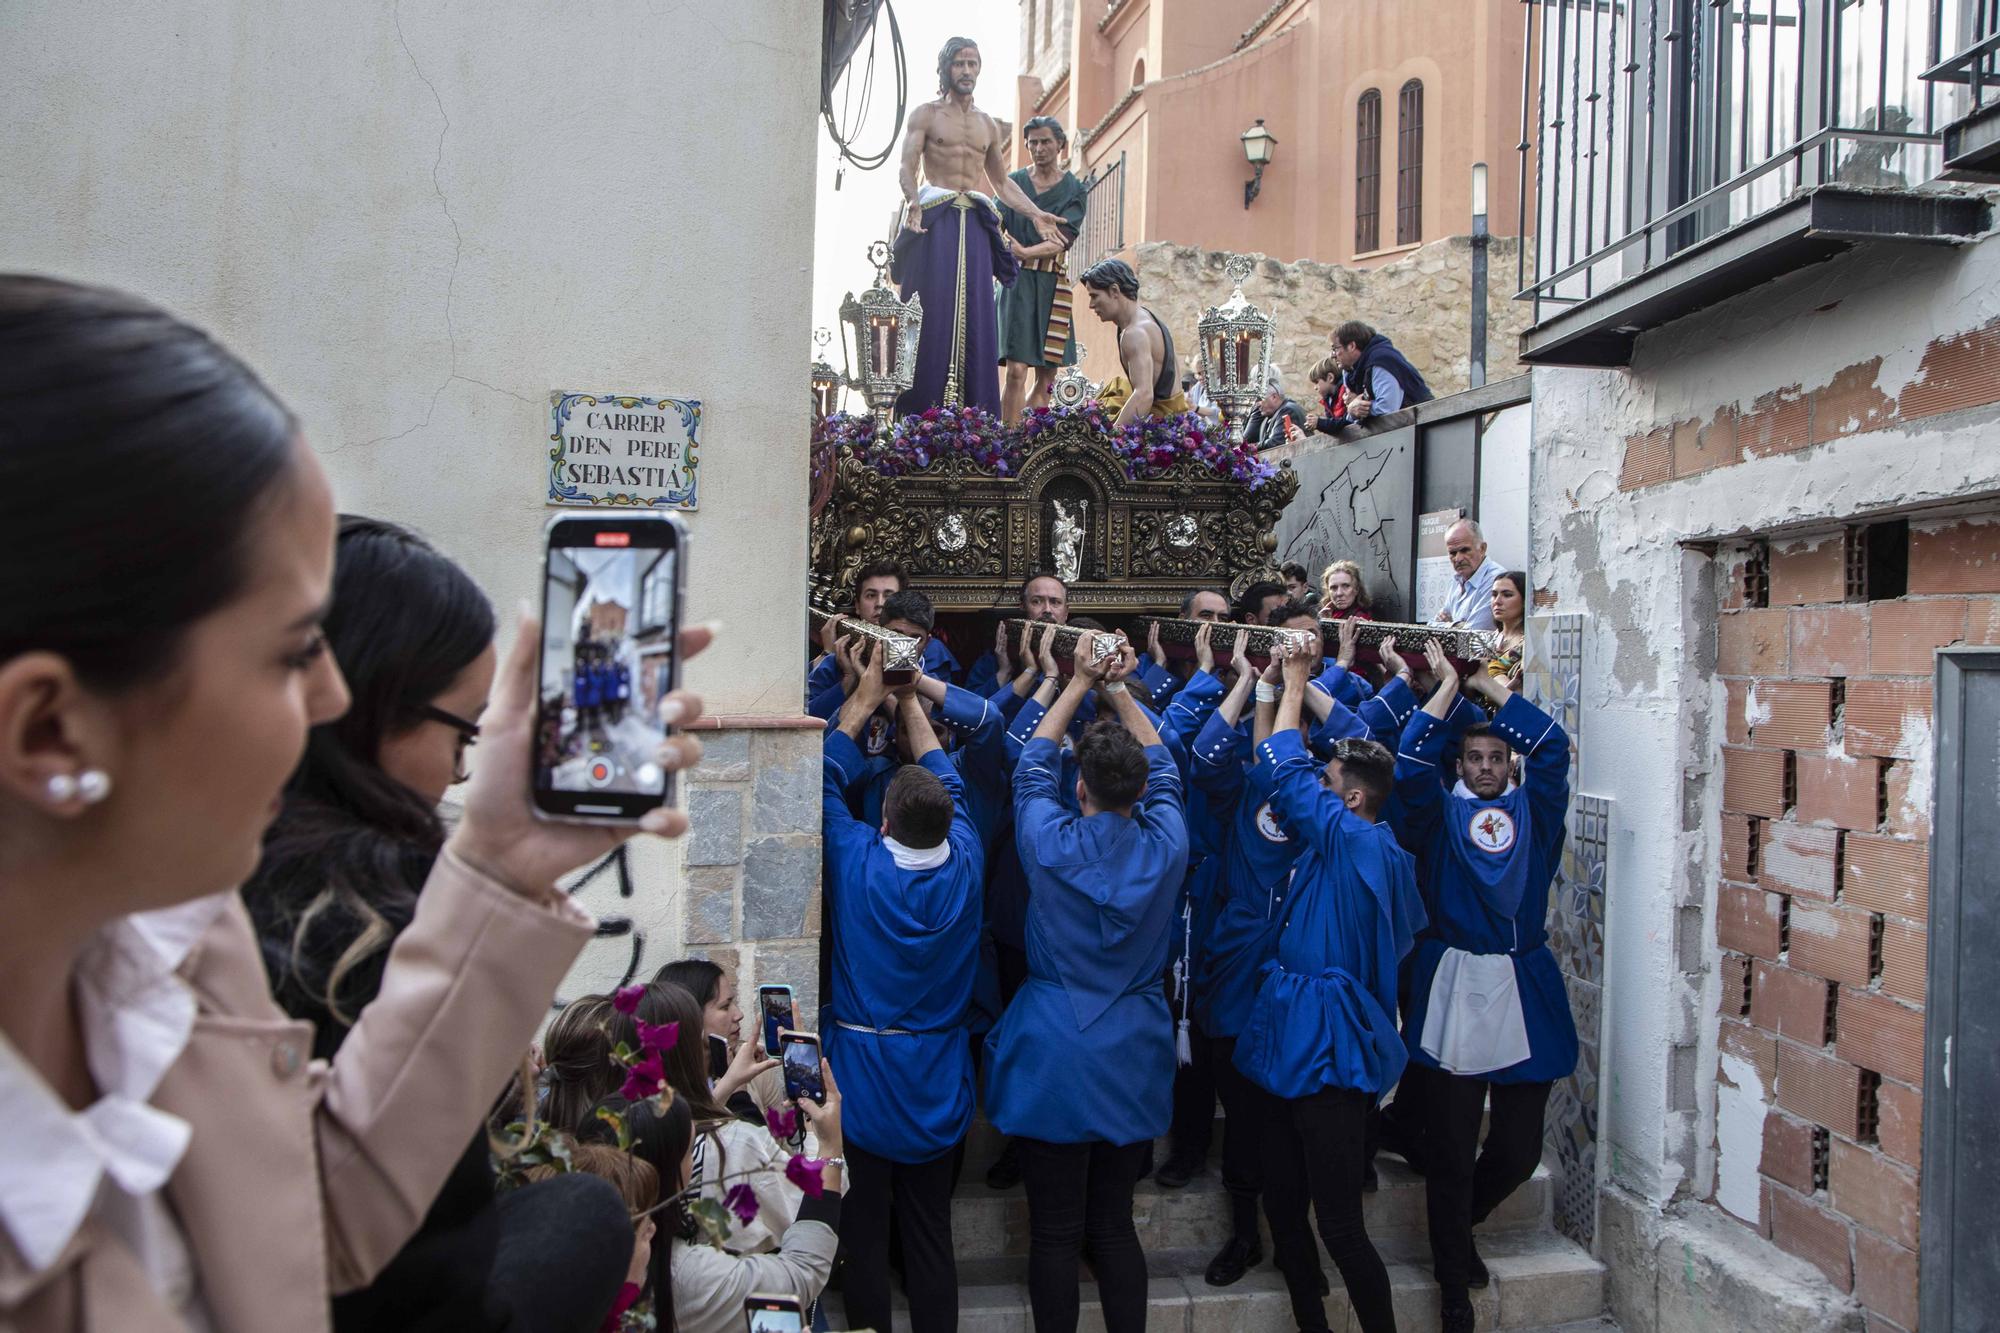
<point>807,1173</point>
<point>657,1037</point>
<point>644,1078</point>
<point>782,1124</point>
<point>742,1201</point>
<point>626,1001</point>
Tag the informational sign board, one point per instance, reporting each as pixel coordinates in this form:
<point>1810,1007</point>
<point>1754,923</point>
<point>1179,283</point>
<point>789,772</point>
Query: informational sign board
<point>1435,581</point>
<point>623,450</point>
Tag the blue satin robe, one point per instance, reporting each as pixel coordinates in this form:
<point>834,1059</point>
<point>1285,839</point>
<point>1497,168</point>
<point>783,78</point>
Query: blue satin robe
<point>1483,897</point>
<point>1085,1053</point>
<point>904,947</point>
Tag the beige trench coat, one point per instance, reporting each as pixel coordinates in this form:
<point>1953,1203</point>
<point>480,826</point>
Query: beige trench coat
<point>304,1178</point>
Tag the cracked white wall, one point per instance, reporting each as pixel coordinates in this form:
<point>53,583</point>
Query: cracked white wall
<point>1654,714</point>
<point>416,219</point>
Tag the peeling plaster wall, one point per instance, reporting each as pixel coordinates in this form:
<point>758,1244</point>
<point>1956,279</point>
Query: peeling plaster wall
<point>1656,716</point>
<point>416,219</point>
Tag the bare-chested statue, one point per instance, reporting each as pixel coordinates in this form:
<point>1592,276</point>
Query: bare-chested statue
<point>951,247</point>
<point>1150,385</point>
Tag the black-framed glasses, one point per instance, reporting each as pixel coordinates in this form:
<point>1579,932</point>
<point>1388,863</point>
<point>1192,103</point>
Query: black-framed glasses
<point>468,736</point>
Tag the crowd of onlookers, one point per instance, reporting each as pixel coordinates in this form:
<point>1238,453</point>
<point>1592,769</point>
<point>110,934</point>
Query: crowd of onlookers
<point>269,1034</point>
<point>1362,377</point>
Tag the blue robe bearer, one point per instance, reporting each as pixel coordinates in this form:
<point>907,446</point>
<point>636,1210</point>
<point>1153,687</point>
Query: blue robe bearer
<point>1085,1052</point>
<point>1487,866</point>
<point>904,947</point>
<point>1324,1015</point>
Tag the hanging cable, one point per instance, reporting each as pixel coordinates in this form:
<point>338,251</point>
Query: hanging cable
<point>846,126</point>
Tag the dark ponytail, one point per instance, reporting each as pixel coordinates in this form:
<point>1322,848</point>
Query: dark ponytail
<point>135,455</point>
<point>346,858</point>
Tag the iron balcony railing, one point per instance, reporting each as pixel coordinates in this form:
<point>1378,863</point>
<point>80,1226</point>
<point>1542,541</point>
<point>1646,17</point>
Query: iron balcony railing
<point>1970,32</point>
<point>1103,216</point>
<point>1652,125</point>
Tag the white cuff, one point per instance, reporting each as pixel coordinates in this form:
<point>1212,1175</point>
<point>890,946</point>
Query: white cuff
<point>1267,693</point>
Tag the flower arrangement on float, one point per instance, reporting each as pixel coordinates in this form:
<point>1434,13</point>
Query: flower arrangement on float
<point>1151,446</point>
<point>922,438</point>
<point>1039,421</point>
<point>541,1144</point>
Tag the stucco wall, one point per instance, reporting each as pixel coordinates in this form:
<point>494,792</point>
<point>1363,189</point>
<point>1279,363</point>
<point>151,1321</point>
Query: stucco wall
<point>1844,390</point>
<point>416,220</point>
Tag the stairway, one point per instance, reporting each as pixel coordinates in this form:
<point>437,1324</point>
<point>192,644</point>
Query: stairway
<point>1540,1277</point>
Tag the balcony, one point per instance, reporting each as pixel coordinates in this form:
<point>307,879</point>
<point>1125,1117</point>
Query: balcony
<point>1972,141</point>
<point>1685,151</point>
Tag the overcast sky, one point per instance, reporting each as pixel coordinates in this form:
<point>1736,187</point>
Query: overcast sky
<point>861,209</point>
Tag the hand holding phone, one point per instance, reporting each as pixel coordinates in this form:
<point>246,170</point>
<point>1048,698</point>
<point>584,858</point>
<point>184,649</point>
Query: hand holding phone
<point>774,1004</point>
<point>799,1054</point>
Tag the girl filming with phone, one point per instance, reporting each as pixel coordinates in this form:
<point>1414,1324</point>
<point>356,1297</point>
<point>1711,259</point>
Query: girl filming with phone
<point>154,700</point>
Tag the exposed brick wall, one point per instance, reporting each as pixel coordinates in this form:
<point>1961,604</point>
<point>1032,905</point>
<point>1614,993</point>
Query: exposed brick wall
<point>1958,371</point>
<point>1824,849</point>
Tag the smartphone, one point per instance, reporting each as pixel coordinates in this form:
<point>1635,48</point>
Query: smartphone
<point>799,1053</point>
<point>772,1314</point>
<point>718,1056</point>
<point>775,1003</point>
<point>611,614</point>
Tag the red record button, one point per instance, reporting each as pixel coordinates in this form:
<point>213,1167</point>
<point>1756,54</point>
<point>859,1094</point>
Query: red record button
<point>599,773</point>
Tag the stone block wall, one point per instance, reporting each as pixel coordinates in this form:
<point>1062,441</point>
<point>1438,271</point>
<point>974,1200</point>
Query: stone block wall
<point>752,858</point>
<point>1421,300</point>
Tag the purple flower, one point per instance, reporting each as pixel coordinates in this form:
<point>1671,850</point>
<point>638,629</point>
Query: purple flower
<point>782,1124</point>
<point>626,1001</point>
<point>742,1201</point>
<point>657,1037</point>
<point>807,1173</point>
<point>644,1078</point>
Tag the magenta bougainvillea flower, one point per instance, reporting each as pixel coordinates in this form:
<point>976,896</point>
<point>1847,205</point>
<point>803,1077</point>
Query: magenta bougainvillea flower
<point>626,1001</point>
<point>807,1173</point>
<point>742,1201</point>
<point>657,1037</point>
<point>782,1124</point>
<point>644,1078</point>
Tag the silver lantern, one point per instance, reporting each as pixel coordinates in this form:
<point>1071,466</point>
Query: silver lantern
<point>882,332</point>
<point>1236,348</point>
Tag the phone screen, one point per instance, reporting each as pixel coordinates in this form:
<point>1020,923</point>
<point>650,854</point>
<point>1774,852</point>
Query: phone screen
<point>772,1314</point>
<point>800,1055</point>
<point>777,1003</point>
<point>611,594</point>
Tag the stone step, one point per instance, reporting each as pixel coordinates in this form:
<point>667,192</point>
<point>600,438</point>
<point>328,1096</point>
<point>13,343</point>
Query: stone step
<point>990,1223</point>
<point>1540,1279</point>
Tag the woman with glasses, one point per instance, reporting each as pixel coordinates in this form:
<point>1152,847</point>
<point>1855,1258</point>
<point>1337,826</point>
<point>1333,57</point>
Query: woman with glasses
<point>342,867</point>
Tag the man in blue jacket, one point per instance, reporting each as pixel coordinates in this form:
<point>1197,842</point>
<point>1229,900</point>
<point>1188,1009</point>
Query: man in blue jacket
<point>1320,1045</point>
<point>1380,379</point>
<point>1081,1066</point>
<point>904,915</point>
<point>1487,1015</point>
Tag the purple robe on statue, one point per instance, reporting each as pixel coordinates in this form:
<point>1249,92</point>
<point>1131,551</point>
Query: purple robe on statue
<point>953,263</point>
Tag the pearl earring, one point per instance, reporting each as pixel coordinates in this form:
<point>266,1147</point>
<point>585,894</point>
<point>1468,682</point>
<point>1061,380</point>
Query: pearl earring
<point>93,785</point>
<point>60,787</point>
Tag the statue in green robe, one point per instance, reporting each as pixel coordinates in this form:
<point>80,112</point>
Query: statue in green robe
<point>1037,334</point>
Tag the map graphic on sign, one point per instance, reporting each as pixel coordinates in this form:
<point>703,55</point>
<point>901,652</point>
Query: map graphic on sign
<point>623,450</point>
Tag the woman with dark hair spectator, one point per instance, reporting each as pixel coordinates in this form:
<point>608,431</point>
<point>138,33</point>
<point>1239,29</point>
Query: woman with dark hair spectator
<point>154,699</point>
<point>577,1068</point>
<point>755,1087</point>
<point>1510,612</point>
<point>699,1287</point>
<point>342,868</point>
<point>1344,597</point>
<point>728,1149</point>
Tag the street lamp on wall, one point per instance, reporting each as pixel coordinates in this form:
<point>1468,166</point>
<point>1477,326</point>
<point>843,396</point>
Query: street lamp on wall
<point>1257,145</point>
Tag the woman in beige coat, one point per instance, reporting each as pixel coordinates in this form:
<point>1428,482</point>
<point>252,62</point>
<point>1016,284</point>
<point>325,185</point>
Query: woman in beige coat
<point>173,1158</point>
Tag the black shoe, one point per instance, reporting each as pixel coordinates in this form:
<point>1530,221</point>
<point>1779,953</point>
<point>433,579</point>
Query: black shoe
<point>1457,1317</point>
<point>1176,1172</point>
<point>1005,1173</point>
<point>1238,1257</point>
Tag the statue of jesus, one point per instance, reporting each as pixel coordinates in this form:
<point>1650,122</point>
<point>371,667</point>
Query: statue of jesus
<point>951,248</point>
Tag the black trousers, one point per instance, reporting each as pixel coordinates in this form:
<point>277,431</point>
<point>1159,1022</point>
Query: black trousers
<point>1193,1127</point>
<point>918,1198</point>
<point>1078,1194</point>
<point>1242,1162</point>
<point>1463,1180</point>
<point>1315,1153</point>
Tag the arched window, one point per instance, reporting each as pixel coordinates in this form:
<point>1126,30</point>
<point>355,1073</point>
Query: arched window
<point>1139,70</point>
<point>1410,163</point>
<point>1368,172</point>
